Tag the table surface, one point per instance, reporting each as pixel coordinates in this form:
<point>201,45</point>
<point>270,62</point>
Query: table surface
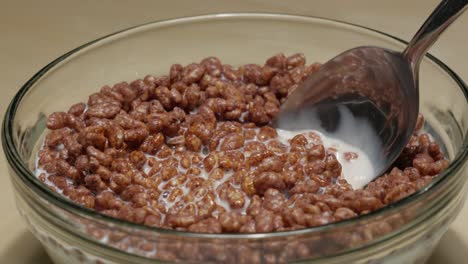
<point>35,32</point>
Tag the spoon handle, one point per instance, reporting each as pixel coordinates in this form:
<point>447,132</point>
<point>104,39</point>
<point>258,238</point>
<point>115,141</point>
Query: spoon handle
<point>445,13</point>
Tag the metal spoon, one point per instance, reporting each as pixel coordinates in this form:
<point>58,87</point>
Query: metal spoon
<point>368,96</point>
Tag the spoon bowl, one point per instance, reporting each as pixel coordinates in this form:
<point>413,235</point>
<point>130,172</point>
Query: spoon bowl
<point>365,97</point>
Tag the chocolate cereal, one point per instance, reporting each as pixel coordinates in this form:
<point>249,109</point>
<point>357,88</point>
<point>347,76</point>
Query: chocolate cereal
<point>193,151</point>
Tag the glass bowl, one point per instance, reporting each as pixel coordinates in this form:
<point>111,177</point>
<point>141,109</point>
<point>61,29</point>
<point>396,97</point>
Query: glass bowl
<point>404,232</point>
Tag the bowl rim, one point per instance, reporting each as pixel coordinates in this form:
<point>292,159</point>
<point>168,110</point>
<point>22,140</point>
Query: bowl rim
<point>21,169</point>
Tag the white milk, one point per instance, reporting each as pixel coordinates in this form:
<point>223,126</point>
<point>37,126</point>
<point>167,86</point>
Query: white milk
<point>352,135</point>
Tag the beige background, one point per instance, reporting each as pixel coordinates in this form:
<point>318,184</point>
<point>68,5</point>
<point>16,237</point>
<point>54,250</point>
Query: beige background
<point>32,33</point>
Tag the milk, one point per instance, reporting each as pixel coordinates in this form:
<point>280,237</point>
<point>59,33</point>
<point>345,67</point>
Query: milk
<point>352,135</point>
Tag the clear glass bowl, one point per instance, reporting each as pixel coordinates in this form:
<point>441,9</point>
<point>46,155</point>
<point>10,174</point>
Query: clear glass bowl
<point>404,232</point>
